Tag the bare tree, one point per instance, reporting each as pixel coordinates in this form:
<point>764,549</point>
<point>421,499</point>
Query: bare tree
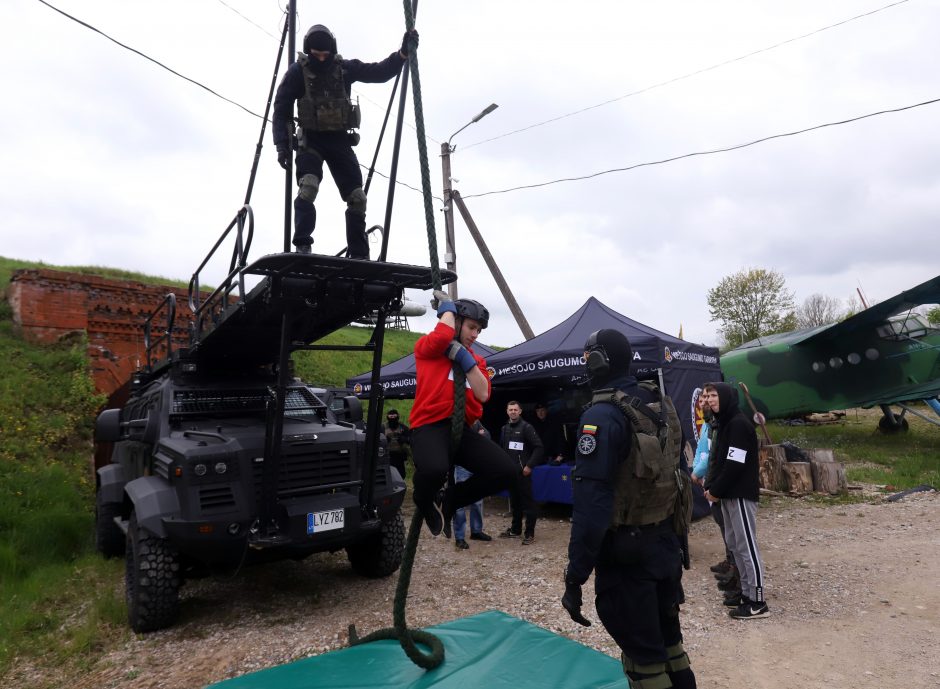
<point>816,310</point>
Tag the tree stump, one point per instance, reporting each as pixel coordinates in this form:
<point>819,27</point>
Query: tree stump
<point>828,474</point>
<point>771,460</point>
<point>799,477</point>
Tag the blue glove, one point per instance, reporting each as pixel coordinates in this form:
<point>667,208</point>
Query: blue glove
<point>456,352</point>
<point>442,304</point>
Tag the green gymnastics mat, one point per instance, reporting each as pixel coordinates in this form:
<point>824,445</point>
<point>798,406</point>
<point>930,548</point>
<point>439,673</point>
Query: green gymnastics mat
<point>492,650</point>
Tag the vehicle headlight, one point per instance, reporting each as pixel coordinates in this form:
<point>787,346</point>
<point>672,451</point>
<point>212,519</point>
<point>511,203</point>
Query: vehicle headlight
<point>220,467</point>
<point>200,469</point>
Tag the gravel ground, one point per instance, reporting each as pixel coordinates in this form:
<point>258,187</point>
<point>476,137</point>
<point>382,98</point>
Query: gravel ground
<point>853,592</point>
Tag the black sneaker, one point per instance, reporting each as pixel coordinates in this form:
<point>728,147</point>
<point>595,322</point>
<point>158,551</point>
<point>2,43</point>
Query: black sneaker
<point>749,610</point>
<point>432,517</point>
<point>482,536</point>
<point>725,576</point>
<point>509,533</point>
<point>529,539</point>
<point>461,544</point>
<point>721,568</point>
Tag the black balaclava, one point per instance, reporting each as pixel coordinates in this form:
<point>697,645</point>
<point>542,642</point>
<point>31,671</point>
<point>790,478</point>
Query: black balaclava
<point>392,422</point>
<point>619,355</point>
<point>320,38</point>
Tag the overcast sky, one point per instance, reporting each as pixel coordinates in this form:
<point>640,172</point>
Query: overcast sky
<point>107,159</point>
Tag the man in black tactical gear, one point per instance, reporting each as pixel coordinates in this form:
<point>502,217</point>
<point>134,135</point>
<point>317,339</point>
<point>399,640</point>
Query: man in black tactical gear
<point>320,82</point>
<point>398,438</point>
<point>622,520</point>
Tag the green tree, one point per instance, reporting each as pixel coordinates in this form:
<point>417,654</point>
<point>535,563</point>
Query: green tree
<point>752,303</point>
<point>933,316</point>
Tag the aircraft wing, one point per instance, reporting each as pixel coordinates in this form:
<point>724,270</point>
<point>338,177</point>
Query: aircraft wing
<point>925,293</point>
<point>905,393</point>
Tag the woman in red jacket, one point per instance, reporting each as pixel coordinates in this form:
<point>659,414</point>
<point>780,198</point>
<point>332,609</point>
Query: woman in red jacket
<point>436,354</point>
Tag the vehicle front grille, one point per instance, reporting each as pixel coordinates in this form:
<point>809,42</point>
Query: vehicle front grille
<point>305,470</point>
<point>216,499</point>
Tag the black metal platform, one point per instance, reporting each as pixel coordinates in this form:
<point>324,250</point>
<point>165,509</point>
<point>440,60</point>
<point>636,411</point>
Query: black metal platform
<point>319,294</point>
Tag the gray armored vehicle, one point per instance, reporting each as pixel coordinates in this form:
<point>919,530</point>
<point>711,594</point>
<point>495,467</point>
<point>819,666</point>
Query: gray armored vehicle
<point>222,458</point>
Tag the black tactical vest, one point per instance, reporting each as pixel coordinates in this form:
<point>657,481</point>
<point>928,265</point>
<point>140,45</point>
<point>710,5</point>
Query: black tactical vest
<point>326,106</point>
<point>649,480</point>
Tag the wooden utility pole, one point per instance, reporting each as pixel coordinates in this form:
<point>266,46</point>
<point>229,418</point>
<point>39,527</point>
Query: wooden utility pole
<point>494,269</point>
<point>450,251</point>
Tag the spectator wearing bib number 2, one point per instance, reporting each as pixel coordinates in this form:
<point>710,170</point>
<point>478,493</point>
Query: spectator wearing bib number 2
<point>521,442</point>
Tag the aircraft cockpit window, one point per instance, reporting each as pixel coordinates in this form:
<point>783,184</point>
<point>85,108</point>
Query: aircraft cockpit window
<point>909,326</point>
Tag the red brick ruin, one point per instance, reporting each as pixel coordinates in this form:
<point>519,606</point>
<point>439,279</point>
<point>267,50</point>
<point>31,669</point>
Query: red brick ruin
<point>51,304</point>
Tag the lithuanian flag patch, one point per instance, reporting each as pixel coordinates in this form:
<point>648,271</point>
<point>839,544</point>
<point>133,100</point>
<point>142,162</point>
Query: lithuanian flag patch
<point>589,429</point>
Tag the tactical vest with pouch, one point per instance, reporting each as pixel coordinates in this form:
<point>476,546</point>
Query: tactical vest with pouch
<point>650,485</point>
<point>326,106</point>
<point>393,435</point>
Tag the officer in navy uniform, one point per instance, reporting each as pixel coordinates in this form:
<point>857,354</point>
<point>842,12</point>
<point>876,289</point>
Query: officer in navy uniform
<point>320,82</point>
<point>637,567</point>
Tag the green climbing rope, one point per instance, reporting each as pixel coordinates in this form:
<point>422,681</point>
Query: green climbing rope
<point>410,638</point>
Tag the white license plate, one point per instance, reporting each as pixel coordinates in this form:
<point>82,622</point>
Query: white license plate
<point>329,520</point>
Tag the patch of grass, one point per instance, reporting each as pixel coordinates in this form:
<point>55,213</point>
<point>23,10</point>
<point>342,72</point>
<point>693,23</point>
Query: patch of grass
<point>9,265</point>
<point>332,369</point>
<point>898,460</point>
<point>67,611</point>
<point>47,406</point>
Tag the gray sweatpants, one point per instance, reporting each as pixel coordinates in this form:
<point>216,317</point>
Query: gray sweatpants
<point>740,517</point>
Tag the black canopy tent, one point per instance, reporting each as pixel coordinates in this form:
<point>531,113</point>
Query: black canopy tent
<point>554,361</point>
<point>399,377</point>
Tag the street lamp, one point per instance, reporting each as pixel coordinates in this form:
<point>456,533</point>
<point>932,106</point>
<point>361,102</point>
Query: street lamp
<point>450,252</point>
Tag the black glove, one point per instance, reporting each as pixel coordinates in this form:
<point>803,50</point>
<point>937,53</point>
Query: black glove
<point>413,34</point>
<point>571,602</point>
<point>283,156</point>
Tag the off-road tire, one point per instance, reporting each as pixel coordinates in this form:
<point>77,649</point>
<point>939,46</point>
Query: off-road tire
<point>151,580</point>
<point>109,539</point>
<point>380,554</point>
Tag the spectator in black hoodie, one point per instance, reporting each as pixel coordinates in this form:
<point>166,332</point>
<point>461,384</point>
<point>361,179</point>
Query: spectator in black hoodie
<point>737,486</point>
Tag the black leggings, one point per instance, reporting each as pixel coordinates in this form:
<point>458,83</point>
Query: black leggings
<point>492,468</point>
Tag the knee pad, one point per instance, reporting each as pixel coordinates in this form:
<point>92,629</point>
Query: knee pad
<point>356,201</point>
<point>678,659</point>
<point>308,188</point>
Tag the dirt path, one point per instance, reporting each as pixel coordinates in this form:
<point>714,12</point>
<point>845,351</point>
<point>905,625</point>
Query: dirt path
<point>854,593</point>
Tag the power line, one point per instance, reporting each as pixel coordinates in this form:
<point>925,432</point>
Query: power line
<point>222,2</point>
<point>684,76</point>
<point>147,57</point>
<point>703,153</point>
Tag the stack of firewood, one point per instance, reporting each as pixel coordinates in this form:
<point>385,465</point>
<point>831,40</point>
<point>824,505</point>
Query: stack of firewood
<point>821,473</point>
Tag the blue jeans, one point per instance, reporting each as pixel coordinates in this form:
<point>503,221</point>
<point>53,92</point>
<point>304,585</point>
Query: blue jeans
<point>475,509</point>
